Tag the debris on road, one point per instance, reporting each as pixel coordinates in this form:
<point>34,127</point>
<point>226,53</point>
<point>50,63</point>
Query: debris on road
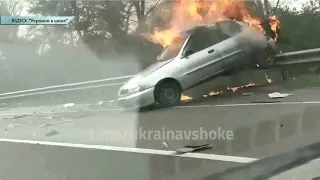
<point>14,125</point>
<point>100,103</point>
<point>215,93</point>
<point>15,117</point>
<point>68,105</point>
<point>49,117</point>
<point>52,133</point>
<point>248,94</point>
<point>54,123</point>
<point>188,149</point>
<point>278,95</point>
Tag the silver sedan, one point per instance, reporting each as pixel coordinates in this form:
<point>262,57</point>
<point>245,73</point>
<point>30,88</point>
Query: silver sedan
<point>196,56</point>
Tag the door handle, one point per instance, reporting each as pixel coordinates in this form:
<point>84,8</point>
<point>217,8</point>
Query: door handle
<point>211,51</point>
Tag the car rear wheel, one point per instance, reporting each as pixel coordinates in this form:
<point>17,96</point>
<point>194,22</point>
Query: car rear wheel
<point>168,94</point>
<point>267,58</point>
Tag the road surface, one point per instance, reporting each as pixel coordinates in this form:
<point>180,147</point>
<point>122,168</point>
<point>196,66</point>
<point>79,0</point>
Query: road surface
<point>53,142</point>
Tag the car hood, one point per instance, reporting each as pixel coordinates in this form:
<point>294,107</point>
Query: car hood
<point>140,76</point>
<point>154,67</point>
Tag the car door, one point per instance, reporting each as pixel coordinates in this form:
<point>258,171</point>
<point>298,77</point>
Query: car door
<point>198,56</point>
<point>232,51</point>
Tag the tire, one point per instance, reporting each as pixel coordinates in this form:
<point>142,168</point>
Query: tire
<point>267,58</point>
<point>168,94</point>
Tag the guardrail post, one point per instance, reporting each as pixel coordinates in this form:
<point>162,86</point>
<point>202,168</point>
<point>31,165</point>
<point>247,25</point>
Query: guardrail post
<point>284,74</point>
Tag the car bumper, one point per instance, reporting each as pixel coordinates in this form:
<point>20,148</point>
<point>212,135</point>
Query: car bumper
<point>139,99</point>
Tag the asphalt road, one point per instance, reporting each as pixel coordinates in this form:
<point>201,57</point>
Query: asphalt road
<point>260,126</point>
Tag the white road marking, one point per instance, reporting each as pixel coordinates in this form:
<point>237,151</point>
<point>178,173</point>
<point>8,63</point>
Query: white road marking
<point>58,112</point>
<point>66,85</point>
<point>249,104</point>
<point>62,90</point>
<point>138,150</point>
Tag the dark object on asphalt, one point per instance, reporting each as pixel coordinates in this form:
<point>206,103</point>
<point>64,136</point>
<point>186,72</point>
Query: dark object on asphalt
<point>188,149</point>
<point>52,133</point>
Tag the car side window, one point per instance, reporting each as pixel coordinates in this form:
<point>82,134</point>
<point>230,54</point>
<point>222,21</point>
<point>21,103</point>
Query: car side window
<point>199,40</point>
<point>217,36</point>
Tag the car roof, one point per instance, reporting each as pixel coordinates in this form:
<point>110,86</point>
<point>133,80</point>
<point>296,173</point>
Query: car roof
<point>211,26</point>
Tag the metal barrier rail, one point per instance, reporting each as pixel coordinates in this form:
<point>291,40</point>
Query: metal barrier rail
<point>66,87</point>
<point>298,57</point>
<point>60,90</point>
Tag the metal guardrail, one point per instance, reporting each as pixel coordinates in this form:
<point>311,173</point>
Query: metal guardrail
<point>66,87</point>
<point>298,57</point>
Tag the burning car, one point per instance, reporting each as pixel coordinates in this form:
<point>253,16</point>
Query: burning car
<point>196,56</point>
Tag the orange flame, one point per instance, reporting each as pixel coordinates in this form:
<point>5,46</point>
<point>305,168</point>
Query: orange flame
<point>234,89</point>
<point>190,13</point>
<point>185,98</point>
<point>215,93</point>
<point>275,25</point>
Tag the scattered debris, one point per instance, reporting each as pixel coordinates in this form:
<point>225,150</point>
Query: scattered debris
<point>33,133</point>
<point>52,133</point>
<point>68,105</point>
<point>215,93</point>
<point>54,123</point>
<point>100,103</point>
<point>278,95</point>
<point>248,94</point>
<point>13,125</point>
<point>188,149</point>
<point>15,117</point>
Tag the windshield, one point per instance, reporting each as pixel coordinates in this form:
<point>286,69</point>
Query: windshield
<point>172,50</point>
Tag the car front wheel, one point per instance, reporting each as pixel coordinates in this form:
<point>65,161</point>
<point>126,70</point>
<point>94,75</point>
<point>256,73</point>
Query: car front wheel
<point>168,94</point>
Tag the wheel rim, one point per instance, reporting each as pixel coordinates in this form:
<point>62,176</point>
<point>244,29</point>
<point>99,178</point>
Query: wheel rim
<point>169,94</point>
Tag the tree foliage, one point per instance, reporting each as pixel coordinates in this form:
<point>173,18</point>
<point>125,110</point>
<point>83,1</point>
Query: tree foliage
<point>299,28</point>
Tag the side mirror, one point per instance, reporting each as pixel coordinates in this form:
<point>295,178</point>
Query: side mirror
<point>187,53</point>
